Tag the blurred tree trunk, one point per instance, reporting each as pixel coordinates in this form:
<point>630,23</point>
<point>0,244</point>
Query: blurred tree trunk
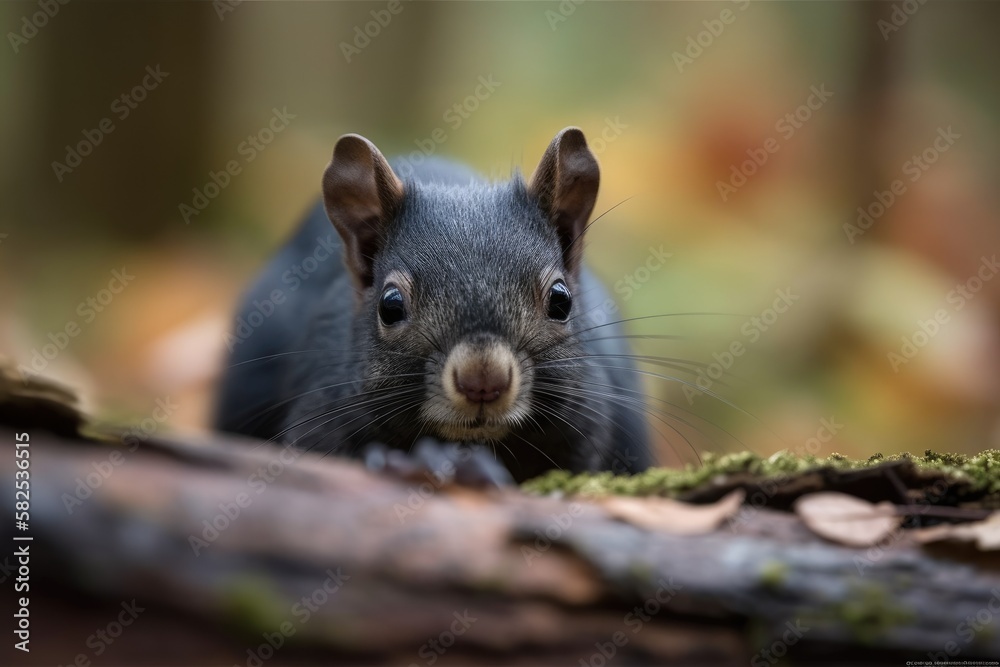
<point>877,69</point>
<point>92,54</point>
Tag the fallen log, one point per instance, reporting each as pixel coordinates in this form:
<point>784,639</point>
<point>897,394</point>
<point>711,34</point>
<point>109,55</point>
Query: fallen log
<point>215,550</point>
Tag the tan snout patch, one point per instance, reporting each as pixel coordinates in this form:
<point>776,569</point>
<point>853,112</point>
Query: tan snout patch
<point>492,364</point>
<point>482,384</point>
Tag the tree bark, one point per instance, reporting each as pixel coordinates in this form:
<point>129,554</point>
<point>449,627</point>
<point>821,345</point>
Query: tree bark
<point>236,550</point>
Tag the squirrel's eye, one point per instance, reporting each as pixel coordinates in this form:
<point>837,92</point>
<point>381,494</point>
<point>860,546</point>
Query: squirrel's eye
<point>560,301</point>
<point>391,308</point>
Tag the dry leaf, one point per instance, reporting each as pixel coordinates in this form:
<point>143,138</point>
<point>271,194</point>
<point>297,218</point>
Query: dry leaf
<point>985,533</point>
<point>846,519</point>
<point>672,516</point>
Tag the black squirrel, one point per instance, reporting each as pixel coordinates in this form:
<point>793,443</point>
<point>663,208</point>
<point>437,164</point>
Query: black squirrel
<point>462,310</point>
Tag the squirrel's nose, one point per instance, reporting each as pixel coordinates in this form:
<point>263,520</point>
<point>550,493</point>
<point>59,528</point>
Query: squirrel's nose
<point>482,383</point>
<point>481,378</point>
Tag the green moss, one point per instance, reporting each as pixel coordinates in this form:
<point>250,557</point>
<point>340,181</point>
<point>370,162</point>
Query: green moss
<point>868,612</point>
<point>642,572</point>
<point>985,636</point>
<point>773,574</point>
<point>981,471</point>
<point>871,614</point>
<point>253,606</point>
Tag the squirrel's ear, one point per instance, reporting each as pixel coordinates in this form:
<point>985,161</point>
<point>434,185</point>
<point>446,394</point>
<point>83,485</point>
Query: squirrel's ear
<point>361,194</point>
<point>565,186</point>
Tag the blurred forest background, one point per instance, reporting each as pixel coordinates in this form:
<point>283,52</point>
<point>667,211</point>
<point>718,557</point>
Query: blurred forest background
<point>740,137</point>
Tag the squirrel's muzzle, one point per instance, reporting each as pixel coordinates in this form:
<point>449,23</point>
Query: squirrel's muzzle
<point>481,379</point>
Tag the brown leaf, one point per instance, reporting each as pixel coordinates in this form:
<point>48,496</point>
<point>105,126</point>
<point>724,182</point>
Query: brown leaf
<point>986,533</point>
<point>672,516</point>
<point>846,519</point>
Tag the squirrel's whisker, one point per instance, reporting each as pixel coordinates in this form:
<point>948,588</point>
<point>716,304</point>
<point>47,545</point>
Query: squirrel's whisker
<point>352,405</point>
<point>575,405</point>
<point>260,413</point>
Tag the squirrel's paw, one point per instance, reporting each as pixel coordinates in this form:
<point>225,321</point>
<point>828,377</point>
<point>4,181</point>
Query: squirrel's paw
<point>444,463</point>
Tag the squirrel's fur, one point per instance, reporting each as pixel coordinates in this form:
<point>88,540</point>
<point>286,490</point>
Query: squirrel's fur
<point>321,370</point>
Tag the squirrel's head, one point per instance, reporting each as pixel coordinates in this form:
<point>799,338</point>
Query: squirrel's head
<point>467,294</point>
